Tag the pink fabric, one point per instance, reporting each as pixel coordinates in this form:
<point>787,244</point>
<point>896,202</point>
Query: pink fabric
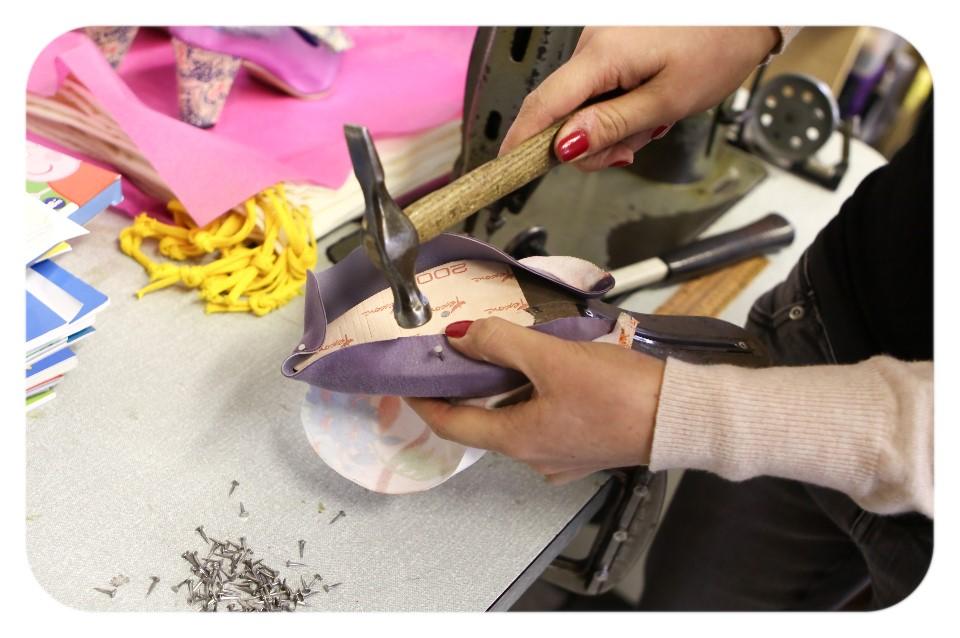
<point>395,81</point>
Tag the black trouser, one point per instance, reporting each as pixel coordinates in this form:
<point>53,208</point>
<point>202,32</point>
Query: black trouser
<point>772,544</point>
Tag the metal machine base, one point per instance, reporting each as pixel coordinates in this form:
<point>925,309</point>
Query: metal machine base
<point>616,217</point>
<point>631,515</point>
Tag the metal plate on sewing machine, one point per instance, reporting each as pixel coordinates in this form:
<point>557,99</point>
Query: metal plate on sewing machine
<point>793,116</point>
<point>615,217</point>
<point>506,64</point>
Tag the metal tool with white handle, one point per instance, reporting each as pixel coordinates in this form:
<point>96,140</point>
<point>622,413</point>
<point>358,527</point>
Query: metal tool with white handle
<point>702,256</point>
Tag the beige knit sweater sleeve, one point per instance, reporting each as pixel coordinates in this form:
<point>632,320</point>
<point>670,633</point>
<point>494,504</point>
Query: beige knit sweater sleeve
<point>864,429</point>
<point>787,34</point>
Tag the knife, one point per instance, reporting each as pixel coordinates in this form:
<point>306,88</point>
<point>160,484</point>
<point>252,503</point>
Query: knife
<point>704,255</point>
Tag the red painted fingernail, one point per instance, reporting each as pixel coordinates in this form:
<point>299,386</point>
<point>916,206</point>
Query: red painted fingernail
<point>659,132</point>
<point>457,329</point>
<point>573,146</point>
<point>621,163</point>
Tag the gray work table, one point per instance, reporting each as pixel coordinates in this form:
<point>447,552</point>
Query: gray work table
<point>168,405</point>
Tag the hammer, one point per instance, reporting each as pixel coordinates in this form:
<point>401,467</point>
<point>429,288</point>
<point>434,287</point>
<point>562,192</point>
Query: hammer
<point>392,237</point>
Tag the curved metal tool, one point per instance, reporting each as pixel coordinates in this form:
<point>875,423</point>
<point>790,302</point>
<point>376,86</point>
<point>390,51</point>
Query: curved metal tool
<point>389,237</point>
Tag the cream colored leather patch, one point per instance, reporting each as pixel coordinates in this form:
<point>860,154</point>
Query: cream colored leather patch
<point>457,290</point>
<point>622,333</point>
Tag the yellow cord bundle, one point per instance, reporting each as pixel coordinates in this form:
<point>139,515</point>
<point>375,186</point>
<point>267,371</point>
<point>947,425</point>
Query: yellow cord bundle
<point>266,248</point>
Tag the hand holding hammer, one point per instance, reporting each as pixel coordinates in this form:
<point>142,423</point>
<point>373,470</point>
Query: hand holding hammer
<point>391,236</point>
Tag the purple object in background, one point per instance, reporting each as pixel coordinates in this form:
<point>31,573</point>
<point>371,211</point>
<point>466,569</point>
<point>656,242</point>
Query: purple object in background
<point>868,69</point>
<point>857,92</point>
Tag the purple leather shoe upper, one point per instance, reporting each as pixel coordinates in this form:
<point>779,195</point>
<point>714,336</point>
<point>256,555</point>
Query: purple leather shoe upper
<point>406,366</point>
<point>308,69</point>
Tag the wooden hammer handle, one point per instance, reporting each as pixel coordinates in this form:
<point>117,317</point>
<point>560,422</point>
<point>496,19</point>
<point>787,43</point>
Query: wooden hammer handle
<point>444,207</point>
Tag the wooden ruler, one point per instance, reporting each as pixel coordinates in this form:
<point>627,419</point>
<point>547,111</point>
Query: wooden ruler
<point>707,296</point>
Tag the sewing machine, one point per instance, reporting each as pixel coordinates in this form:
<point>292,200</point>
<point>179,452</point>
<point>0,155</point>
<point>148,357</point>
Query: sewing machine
<point>676,187</point>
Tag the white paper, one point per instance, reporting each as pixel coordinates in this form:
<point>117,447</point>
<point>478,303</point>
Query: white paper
<point>46,228</point>
<point>379,442</point>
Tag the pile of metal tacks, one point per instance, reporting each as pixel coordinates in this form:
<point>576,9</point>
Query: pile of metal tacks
<point>229,578</point>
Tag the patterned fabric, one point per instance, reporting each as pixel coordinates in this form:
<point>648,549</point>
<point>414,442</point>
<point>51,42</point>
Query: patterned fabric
<point>204,80</point>
<point>113,42</point>
<point>378,442</point>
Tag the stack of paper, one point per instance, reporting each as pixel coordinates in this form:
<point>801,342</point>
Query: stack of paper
<point>62,193</point>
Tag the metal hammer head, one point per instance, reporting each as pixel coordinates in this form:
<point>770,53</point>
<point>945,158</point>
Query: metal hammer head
<point>389,237</point>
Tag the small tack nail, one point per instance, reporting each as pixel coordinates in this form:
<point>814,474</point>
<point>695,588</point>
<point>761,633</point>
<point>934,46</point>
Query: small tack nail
<point>109,592</point>
<point>293,563</point>
<point>153,583</point>
<point>233,486</point>
<point>243,513</point>
<point>188,582</point>
<point>191,557</point>
<point>203,535</point>
<point>301,544</point>
<point>438,351</point>
<point>336,518</point>
<point>119,580</point>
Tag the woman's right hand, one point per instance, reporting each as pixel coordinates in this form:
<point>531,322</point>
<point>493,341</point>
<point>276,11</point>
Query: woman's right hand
<point>668,73</point>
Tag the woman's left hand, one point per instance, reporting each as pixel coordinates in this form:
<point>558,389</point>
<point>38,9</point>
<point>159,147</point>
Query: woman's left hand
<point>593,405</point>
